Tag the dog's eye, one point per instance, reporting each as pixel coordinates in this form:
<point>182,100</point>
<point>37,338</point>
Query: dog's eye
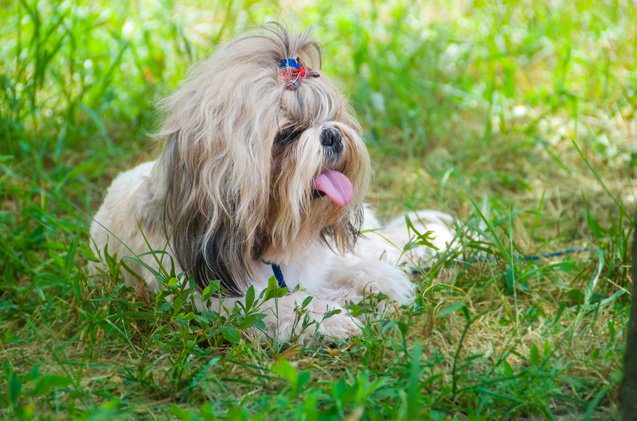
<point>288,135</point>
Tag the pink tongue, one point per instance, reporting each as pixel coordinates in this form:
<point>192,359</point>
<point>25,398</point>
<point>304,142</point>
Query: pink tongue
<point>335,185</point>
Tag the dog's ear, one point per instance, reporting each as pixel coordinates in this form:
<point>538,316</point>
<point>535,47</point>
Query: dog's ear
<point>203,237</point>
<point>216,260</point>
<point>217,255</point>
<point>216,166</point>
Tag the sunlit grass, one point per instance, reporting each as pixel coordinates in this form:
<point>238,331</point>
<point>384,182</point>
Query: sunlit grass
<point>518,118</point>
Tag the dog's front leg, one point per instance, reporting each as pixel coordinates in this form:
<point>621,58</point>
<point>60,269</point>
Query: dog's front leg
<point>355,277</point>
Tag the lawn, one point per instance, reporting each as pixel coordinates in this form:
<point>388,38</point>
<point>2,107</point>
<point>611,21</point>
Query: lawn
<point>519,118</point>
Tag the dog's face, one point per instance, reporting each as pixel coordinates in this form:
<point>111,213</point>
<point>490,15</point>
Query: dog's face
<point>254,170</point>
<point>318,173</point>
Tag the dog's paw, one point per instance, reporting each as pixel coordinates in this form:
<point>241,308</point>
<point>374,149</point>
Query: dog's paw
<point>390,281</point>
<point>376,276</point>
<point>339,326</point>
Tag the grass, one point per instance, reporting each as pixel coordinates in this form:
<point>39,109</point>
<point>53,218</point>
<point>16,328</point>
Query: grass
<point>518,118</point>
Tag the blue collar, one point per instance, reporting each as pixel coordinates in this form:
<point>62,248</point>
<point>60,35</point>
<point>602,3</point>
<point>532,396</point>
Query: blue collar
<point>278,274</point>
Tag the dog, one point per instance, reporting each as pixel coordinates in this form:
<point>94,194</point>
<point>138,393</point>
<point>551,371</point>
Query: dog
<point>263,173</point>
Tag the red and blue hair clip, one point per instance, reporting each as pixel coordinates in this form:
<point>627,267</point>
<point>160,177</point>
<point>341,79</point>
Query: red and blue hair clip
<point>293,71</point>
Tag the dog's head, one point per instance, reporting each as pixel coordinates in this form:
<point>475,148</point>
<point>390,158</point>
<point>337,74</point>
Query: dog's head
<point>262,158</point>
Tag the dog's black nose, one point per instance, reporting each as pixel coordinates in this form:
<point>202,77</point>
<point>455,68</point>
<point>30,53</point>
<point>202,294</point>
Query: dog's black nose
<point>331,138</point>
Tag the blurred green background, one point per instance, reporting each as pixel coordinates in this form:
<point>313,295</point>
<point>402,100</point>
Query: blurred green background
<point>516,117</point>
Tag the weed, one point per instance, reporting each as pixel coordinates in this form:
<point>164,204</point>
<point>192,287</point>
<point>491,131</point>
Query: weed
<point>517,118</point>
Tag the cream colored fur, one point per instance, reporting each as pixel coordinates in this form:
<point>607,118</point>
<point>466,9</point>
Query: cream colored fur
<point>224,197</point>
<point>332,279</point>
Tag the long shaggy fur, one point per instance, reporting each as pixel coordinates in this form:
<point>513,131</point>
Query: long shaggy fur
<point>233,187</point>
<point>223,204</point>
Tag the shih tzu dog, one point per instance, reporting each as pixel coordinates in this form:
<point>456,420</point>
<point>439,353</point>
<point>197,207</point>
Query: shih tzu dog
<point>263,173</point>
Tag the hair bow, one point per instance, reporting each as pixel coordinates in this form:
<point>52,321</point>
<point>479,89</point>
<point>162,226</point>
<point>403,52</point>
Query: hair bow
<point>293,71</point>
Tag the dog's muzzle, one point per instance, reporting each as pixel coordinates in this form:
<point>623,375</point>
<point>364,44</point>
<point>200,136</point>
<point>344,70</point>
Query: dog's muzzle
<point>332,141</point>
